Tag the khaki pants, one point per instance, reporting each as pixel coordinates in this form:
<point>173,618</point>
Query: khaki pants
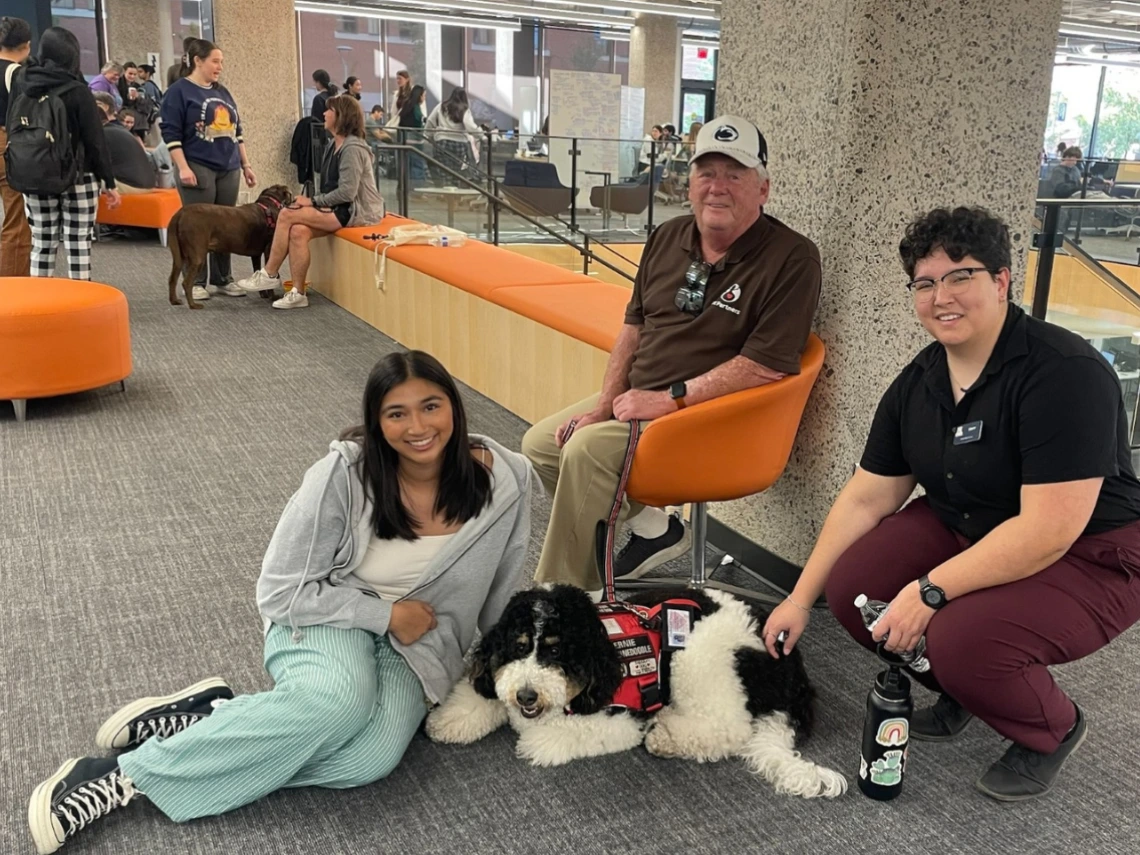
<point>15,234</point>
<point>581,478</point>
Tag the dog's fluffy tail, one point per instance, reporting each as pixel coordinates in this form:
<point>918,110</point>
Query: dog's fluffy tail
<point>771,754</point>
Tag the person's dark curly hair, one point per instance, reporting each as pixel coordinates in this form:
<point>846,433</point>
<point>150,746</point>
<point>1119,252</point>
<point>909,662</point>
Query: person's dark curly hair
<point>964,231</point>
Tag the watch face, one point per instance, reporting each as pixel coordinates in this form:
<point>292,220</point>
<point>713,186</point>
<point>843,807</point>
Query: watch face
<point>931,597</point>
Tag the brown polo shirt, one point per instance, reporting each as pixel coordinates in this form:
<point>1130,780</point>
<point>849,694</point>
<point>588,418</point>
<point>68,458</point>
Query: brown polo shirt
<point>759,302</point>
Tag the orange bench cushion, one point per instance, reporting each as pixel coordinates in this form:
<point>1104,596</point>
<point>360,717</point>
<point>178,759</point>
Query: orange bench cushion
<point>476,267</point>
<point>589,311</point>
<point>153,209</point>
<point>60,336</point>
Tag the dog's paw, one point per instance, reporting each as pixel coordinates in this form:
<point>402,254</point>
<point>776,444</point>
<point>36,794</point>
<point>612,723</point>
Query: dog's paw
<point>195,305</point>
<point>659,741</point>
<point>546,746</point>
<point>464,717</point>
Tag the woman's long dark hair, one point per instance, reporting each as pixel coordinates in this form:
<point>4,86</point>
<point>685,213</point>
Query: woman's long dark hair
<point>194,48</point>
<point>456,105</point>
<point>322,79</point>
<point>410,105</point>
<point>464,485</point>
<point>59,46</point>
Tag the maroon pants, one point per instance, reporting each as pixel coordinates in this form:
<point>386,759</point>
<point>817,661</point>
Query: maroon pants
<point>990,649</point>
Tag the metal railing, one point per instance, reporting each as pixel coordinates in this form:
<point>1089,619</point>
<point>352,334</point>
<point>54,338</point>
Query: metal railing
<point>496,204</point>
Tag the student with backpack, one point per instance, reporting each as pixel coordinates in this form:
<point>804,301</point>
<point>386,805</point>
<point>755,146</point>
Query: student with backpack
<point>56,154</point>
<point>15,236</point>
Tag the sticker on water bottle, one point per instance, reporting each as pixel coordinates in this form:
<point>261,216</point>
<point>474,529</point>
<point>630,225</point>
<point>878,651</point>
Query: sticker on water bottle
<point>893,731</point>
<point>443,240</point>
<point>862,767</point>
<point>887,771</point>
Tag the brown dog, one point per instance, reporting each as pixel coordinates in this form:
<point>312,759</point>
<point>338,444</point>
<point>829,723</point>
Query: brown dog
<point>198,229</point>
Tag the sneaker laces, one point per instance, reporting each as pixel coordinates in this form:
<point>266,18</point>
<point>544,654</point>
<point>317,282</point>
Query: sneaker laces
<point>164,726</point>
<point>95,799</point>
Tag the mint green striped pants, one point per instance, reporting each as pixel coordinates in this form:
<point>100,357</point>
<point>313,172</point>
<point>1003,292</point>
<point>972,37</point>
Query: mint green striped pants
<point>342,712</point>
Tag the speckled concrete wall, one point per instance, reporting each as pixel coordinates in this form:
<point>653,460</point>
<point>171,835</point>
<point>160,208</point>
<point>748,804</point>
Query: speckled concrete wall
<point>654,46</point>
<point>875,111</point>
<point>132,30</point>
<point>259,41</point>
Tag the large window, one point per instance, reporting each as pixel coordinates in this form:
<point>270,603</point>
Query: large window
<point>1072,106</point>
<point>344,46</point>
<point>79,17</point>
<point>1118,130</point>
<point>491,76</point>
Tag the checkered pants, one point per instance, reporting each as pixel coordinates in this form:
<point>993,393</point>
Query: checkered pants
<point>70,215</point>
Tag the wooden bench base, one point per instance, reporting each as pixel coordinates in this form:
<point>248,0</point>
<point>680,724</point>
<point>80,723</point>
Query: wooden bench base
<point>523,365</point>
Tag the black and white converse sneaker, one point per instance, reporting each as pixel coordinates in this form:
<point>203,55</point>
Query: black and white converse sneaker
<point>81,791</point>
<point>137,722</point>
<point>642,554</point>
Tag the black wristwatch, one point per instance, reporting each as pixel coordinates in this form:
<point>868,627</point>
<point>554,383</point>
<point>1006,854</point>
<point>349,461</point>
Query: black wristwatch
<point>931,594</point>
<point>677,392</point>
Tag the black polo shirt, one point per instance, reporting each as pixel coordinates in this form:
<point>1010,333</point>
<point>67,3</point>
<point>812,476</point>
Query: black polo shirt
<point>1049,409</point>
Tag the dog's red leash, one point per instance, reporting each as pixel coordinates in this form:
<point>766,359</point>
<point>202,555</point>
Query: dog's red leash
<point>607,529</point>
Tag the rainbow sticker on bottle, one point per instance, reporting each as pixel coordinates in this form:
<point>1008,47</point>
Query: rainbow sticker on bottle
<point>893,731</point>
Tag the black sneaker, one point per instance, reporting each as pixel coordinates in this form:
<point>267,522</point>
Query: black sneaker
<point>137,722</point>
<point>642,554</point>
<point>1022,774</point>
<point>941,722</point>
<point>81,791</point>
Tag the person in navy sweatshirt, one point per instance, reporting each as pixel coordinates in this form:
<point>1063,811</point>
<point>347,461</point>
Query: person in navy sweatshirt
<point>202,129</point>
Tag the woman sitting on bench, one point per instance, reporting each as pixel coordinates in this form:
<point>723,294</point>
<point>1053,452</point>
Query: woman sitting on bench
<point>347,197</point>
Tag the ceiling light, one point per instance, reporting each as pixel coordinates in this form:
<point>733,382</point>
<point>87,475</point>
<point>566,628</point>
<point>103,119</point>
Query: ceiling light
<point>701,43</point>
<point>1076,28</point>
<point>1125,3</point>
<point>414,16</point>
<point>672,9</point>
<point>1135,12</point>
<point>496,8</point>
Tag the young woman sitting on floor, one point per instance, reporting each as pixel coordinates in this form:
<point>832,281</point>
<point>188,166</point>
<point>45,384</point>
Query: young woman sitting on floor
<point>348,197</point>
<point>404,538</point>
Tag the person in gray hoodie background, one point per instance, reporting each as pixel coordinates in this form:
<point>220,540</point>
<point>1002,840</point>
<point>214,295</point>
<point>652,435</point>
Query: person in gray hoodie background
<point>347,197</point>
<point>407,537</point>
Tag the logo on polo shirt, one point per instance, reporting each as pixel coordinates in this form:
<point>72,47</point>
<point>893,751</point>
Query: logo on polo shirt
<point>731,295</point>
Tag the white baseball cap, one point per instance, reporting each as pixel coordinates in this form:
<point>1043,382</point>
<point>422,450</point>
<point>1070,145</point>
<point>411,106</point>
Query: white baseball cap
<point>735,137</point>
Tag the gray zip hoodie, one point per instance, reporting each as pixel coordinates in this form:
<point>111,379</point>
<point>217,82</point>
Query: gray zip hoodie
<point>356,184</point>
<point>307,575</point>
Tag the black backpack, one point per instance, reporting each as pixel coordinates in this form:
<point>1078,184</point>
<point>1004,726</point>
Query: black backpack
<point>39,158</point>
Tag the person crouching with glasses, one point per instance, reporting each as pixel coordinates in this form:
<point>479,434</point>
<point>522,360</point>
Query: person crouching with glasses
<point>723,301</point>
<point>1025,550</point>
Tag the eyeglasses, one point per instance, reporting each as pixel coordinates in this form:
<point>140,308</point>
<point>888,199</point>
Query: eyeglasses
<point>955,282</point>
<point>691,296</point>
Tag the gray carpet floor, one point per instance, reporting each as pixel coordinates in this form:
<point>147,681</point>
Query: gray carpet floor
<point>132,527</point>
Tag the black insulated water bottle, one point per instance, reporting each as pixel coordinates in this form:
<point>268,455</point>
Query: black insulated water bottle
<point>886,732</point>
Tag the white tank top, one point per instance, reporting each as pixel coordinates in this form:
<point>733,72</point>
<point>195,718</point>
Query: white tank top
<point>391,568</point>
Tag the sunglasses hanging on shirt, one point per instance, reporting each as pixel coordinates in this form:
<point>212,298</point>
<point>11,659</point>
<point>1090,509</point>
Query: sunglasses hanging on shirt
<point>691,296</point>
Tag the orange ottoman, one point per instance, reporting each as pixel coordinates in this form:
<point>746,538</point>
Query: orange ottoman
<point>150,210</point>
<point>60,336</point>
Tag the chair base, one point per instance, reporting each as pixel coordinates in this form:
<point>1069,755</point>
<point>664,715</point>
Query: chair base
<point>700,576</point>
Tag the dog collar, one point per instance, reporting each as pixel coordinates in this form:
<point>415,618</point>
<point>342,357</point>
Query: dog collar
<point>270,216</point>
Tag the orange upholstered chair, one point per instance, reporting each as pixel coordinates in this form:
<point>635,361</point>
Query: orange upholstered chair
<point>720,450</point>
<point>59,336</point>
<point>150,210</point>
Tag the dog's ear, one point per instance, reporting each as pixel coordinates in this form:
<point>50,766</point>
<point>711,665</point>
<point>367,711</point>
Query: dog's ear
<point>491,652</point>
<point>588,657</point>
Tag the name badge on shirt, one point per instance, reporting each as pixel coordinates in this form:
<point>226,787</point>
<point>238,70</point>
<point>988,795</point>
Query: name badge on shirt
<point>967,433</point>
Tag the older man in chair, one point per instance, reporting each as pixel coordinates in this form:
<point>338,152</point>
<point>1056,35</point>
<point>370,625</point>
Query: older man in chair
<point>724,301</point>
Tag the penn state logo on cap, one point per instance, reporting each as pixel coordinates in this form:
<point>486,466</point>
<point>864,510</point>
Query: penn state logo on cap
<point>735,137</point>
<point>731,295</point>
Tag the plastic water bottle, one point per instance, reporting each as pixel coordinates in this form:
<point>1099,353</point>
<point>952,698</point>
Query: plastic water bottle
<point>440,240</point>
<point>886,732</point>
<point>872,610</point>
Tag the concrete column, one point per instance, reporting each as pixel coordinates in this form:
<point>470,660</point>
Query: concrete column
<point>655,66</point>
<point>133,30</point>
<point>876,112</point>
<point>259,41</point>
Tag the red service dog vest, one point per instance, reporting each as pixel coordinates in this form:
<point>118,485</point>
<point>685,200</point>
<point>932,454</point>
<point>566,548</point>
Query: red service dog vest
<point>645,639</point>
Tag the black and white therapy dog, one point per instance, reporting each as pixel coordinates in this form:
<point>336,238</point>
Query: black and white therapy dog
<point>549,668</point>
